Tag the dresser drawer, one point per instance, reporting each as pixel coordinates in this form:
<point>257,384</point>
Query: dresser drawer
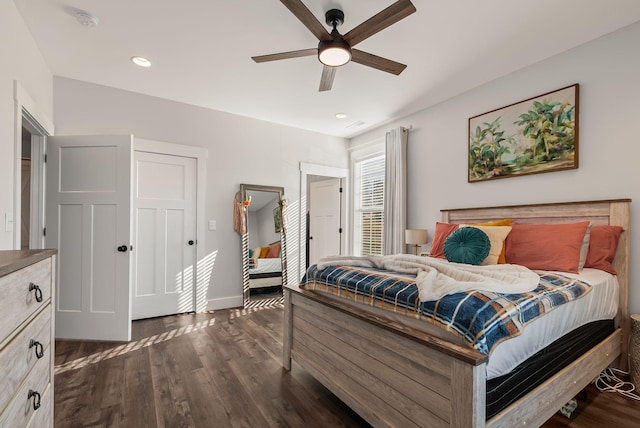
<point>17,303</point>
<point>43,417</point>
<point>18,357</point>
<point>20,409</point>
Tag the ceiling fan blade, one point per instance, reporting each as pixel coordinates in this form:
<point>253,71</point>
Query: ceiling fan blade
<point>285,55</point>
<point>326,81</point>
<point>394,13</point>
<point>307,18</point>
<point>377,62</point>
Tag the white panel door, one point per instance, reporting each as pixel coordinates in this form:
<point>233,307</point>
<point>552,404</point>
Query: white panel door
<point>164,234</point>
<point>89,222</point>
<point>324,219</point>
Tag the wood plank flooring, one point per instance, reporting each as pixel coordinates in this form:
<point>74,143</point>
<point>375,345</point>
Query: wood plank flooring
<point>223,369</point>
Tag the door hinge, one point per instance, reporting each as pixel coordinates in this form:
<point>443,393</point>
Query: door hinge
<point>44,232</point>
<point>340,230</point>
<point>340,189</point>
<point>45,158</point>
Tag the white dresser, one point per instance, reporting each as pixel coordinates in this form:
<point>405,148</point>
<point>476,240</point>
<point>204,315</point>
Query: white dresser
<point>26,338</point>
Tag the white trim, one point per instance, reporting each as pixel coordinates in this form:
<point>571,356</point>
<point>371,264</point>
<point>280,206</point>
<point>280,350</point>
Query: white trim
<point>364,145</point>
<point>326,171</point>
<point>225,303</point>
<point>200,154</point>
<point>26,102</point>
<point>143,145</point>
<point>38,183</point>
<point>37,121</point>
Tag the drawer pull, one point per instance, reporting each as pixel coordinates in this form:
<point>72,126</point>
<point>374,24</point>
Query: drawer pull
<point>36,289</point>
<point>36,398</point>
<point>39,348</point>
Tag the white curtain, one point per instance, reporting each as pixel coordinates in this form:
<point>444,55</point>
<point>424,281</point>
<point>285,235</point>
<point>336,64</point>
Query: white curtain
<point>395,191</point>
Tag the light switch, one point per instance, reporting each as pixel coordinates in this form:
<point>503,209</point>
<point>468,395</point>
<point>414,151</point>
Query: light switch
<point>212,225</point>
<point>8,222</point>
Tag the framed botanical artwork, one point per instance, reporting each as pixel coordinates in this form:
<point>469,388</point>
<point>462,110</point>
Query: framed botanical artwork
<point>277,218</point>
<point>536,135</point>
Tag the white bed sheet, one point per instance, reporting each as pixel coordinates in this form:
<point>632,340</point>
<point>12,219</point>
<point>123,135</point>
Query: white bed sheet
<point>267,266</point>
<point>599,304</point>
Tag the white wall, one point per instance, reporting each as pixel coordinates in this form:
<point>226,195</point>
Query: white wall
<point>608,71</point>
<point>261,226</point>
<point>240,150</point>
<point>20,60</point>
<point>266,226</point>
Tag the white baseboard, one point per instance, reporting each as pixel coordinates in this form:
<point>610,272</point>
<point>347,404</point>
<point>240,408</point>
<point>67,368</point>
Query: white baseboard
<point>225,303</point>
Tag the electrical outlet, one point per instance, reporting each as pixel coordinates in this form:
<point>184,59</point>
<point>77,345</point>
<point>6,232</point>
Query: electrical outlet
<point>212,225</point>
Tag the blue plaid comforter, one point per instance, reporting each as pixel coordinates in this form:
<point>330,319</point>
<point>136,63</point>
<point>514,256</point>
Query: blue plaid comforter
<point>482,319</point>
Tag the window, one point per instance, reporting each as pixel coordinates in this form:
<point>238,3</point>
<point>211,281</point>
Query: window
<point>369,206</point>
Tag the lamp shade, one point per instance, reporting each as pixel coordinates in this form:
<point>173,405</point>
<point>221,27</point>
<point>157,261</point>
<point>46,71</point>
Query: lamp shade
<point>416,236</point>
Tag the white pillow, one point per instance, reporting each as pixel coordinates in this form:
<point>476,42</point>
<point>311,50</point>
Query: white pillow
<point>584,249</point>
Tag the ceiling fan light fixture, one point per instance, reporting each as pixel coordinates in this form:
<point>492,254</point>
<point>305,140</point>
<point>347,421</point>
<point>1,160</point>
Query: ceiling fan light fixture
<point>334,53</point>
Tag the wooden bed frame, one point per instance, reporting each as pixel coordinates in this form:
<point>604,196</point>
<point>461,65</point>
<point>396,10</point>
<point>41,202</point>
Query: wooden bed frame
<point>406,377</point>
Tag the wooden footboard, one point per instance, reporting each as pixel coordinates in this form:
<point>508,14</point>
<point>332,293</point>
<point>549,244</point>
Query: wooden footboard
<point>388,374</point>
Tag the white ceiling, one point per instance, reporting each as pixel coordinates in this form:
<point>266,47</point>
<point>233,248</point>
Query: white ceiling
<point>201,51</point>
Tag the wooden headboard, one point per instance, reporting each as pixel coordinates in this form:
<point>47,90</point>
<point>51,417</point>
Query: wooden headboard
<point>609,212</point>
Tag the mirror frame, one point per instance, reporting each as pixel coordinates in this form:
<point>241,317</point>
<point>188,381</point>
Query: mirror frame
<point>244,188</point>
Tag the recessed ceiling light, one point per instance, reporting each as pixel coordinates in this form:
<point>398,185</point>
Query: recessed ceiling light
<point>141,61</point>
<point>341,115</point>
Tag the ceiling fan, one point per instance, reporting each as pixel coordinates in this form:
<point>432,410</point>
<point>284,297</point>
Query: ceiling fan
<point>335,49</point>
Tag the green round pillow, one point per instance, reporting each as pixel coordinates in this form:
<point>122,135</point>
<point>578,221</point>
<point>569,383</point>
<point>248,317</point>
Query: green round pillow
<point>468,245</point>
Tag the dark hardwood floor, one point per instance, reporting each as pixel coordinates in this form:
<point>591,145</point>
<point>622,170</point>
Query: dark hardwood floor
<point>223,369</point>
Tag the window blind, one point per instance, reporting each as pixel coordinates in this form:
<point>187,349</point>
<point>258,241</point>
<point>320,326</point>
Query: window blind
<point>371,206</point>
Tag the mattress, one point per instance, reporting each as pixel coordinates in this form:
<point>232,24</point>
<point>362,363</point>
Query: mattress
<point>600,304</point>
<point>266,266</point>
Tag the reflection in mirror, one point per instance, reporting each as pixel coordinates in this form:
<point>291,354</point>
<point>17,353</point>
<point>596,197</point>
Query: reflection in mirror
<point>263,244</point>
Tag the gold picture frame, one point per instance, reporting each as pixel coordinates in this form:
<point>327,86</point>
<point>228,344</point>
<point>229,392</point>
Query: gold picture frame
<point>537,135</point>
<point>277,218</point>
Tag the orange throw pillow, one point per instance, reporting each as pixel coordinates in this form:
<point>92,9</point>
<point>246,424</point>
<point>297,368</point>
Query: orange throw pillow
<point>443,230</point>
<point>274,250</point>
<point>602,248</point>
<point>546,246</point>
<point>263,252</point>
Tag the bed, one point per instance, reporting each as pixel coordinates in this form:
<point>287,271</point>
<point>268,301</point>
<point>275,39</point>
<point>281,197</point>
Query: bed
<point>448,381</point>
<point>265,272</point>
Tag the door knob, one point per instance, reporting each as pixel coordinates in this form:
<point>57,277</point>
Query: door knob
<point>122,248</point>
<point>191,242</point>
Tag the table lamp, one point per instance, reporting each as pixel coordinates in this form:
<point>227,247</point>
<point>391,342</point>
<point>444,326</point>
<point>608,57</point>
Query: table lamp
<point>417,238</point>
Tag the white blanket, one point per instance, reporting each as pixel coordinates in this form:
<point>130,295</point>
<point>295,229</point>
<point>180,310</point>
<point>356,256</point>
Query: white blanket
<point>436,278</point>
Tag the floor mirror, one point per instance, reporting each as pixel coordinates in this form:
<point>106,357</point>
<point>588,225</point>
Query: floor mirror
<point>263,244</point>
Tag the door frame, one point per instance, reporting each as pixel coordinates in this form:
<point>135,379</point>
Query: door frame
<point>27,113</point>
<point>200,155</point>
<point>307,169</point>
